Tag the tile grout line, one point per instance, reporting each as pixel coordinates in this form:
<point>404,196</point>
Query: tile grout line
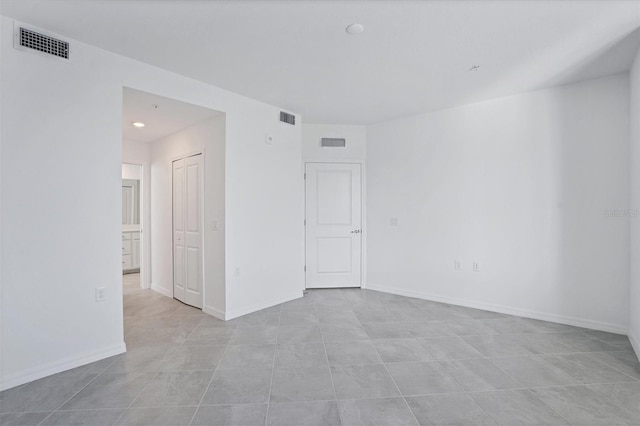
<point>213,375</point>
<point>384,364</point>
<point>157,372</point>
<point>526,390</point>
<point>273,367</point>
<point>406,403</point>
<point>589,354</point>
<point>333,385</point>
<point>79,390</point>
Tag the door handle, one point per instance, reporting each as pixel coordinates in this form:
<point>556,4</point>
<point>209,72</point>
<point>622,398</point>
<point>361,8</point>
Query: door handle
<point>355,231</point>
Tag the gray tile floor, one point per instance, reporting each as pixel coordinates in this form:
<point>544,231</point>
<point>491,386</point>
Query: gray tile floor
<point>336,357</point>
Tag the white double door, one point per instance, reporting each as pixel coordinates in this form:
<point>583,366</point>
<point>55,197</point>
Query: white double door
<point>333,225</point>
<point>187,230</point>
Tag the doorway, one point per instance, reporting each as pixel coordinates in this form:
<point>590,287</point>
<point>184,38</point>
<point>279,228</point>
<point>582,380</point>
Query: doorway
<point>132,218</point>
<point>333,225</point>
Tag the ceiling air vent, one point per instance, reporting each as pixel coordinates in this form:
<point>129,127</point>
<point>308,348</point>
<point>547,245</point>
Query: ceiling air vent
<point>287,118</point>
<point>333,142</point>
<point>42,43</point>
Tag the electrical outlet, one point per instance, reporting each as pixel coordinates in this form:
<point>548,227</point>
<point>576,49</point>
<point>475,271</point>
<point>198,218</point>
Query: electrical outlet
<point>236,272</point>
<point>101,294</point>
<point>476,266</point>
<point>457,265</point>
<point>393,221</point>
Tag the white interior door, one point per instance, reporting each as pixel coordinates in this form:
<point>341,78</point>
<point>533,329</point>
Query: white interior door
<point>187,230</point>
<point>333,225</point>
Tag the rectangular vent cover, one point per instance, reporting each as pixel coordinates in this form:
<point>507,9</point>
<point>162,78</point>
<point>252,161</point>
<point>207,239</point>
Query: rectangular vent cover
<point>333,142</point>
<point>42,43</point>
<point>287,118</point>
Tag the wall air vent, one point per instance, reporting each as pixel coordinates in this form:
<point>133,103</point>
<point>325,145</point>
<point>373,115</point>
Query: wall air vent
<point>28,39</point>
<point>287,118</point>
<point>333,142</point>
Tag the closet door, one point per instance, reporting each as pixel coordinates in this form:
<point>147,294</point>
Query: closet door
<point>187,230</point>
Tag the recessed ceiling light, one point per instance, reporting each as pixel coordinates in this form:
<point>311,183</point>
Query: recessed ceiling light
<point>354,29</point>
<point>137,124</point>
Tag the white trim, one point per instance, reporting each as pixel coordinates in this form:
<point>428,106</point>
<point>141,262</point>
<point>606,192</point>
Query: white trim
<point>544,316</point>
<point>259,306</point>
<point>48,369</point>
<point>214,312</point>
<point>163,291</point>
<point>635,343</point>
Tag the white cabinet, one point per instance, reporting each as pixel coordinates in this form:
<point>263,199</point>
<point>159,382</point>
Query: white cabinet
<point>135,250</point>
<point>131,251</point>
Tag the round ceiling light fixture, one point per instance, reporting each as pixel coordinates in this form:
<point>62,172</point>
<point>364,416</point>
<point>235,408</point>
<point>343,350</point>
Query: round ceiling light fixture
<point>138,124</point>
<point>354,29</point>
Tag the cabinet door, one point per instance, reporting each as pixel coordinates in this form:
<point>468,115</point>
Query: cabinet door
<point>135,254</point>
<point>126,262</point>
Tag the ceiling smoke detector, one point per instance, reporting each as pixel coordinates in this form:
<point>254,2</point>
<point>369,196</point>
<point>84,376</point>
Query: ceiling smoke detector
<point>354,29</point>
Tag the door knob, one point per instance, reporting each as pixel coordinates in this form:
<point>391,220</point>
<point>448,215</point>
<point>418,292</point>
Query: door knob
<point>355,231</point>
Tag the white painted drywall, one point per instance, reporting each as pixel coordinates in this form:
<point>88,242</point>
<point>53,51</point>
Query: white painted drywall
<point>60,231</point>
<point>131,171</point>
<point>264,211</point>
<point>634,293</point>
<point>522,185</point>
<point>355,150</point>
<point>206,137</point>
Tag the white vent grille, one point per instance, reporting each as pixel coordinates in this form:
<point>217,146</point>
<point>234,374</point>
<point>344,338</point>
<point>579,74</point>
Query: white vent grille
<point>287,118</point>
<point>333,142</point>
<point>42,43</point>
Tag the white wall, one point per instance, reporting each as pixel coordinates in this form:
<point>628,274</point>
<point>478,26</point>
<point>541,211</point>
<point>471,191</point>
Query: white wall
<point>131,171</point>
<point>355,150</point>
<point>208,138</point>
<point>634,294</point>
<point>520,184</point>
<point>68,201</point>
<point>264,212</point>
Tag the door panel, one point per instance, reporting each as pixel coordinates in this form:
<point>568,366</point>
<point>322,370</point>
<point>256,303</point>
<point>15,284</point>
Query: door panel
<point>334,198</point>
<point>334,255</point>
<point>187,207</point>
<point>178,229</point>
<point>333,225</point>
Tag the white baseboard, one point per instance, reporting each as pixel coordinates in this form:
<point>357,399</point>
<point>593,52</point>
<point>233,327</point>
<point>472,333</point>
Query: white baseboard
<point>163,291</point>
<point>635,343</point>
<point>544,316</point>
<point>44,370</point>
<point>210,310</point>
<point>263,305</point>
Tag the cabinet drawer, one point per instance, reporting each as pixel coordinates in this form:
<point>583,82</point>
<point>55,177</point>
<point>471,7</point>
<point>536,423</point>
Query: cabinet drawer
<point>126,236</point>
<point>126,262</point>
<point>126,247</point>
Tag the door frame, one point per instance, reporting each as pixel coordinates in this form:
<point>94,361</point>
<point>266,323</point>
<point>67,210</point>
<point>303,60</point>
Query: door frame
<point>143,223</point>
<point>202,223</point>
<point>363,215</point>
